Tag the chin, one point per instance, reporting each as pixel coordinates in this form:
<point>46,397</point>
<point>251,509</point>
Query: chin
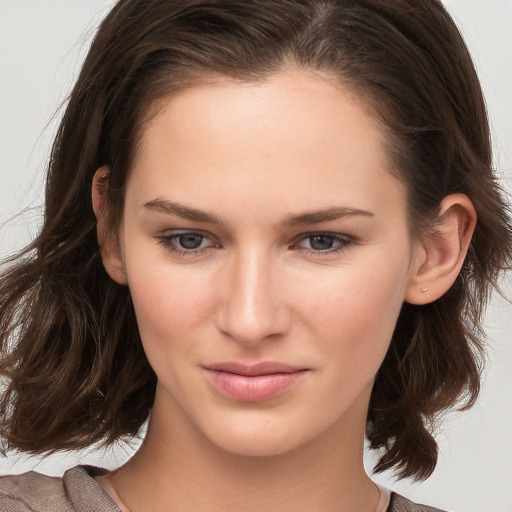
<point>257,447</point>
<point>262,438</point>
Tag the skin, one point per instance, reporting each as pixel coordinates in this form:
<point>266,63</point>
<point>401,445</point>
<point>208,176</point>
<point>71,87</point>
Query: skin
<point>259,289</point>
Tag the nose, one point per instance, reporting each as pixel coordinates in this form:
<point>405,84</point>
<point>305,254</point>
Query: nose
<point>253,307</point>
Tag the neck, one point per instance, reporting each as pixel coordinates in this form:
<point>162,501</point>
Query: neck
<point>185,471</point>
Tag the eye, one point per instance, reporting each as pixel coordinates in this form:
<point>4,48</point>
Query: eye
<point>186,243</point>
<point>190,240</point>
<point>318,243</point>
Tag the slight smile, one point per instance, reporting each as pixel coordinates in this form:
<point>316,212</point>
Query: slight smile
<point>253,383</point>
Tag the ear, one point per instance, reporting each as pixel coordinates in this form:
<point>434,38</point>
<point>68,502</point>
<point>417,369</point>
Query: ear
<point>109,244</point>
<point>440,256</point>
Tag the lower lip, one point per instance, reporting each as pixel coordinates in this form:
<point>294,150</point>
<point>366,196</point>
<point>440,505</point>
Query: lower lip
<point>255,388</point>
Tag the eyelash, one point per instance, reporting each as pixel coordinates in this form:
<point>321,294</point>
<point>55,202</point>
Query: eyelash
<point>169,242</point>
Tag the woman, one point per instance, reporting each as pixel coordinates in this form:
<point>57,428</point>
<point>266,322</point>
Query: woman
<point>295,210</point>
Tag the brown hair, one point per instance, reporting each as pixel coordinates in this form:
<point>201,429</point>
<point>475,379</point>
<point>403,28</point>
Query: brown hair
<point>74,369</point>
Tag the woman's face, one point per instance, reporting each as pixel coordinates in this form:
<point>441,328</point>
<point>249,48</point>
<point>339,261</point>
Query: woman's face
<point>267,252</point>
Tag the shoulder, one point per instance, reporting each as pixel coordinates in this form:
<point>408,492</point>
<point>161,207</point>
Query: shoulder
<point>400,504</point>
<point>77,491</point>
<point>32,491</point>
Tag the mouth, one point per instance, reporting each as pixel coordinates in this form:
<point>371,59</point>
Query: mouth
<point>253,383</point>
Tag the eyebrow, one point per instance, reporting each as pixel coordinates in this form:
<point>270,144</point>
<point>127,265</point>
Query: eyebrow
<point>180,210</point>
<point>325,215</point>
<point>312,217</point>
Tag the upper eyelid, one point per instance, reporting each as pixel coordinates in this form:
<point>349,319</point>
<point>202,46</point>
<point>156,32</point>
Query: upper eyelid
<point>340,236</point>
<point>346,239</point>
<point>179,232</point>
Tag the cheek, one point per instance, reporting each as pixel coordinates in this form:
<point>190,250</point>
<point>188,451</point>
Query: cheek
<point>352,313</point>
<point>169,306</point>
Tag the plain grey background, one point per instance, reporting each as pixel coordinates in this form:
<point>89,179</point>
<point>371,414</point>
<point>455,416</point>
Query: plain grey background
<point>42,44</point>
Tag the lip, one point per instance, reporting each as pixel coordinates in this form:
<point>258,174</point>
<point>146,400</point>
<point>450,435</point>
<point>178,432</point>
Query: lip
<point>255,382</point>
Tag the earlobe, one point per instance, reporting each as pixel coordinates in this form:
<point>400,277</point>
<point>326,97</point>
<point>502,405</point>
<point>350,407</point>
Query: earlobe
<point>438,260</point>
<point>109,246</point>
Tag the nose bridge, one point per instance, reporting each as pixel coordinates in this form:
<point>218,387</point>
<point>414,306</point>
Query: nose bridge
<point>252,309</point>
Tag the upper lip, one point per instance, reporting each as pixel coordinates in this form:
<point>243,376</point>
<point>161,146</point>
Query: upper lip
<point>262,368</point>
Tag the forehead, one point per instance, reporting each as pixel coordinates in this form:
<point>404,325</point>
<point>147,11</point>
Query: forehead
<point>289,138</point>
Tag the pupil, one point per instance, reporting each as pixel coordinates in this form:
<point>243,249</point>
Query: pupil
<point>321,242</point>
<point>190,241</point>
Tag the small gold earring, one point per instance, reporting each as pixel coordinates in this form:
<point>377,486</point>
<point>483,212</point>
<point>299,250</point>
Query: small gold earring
<point>424,289</point>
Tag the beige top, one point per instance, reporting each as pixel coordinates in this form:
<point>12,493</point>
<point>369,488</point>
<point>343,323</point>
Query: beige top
<point>78,491</point>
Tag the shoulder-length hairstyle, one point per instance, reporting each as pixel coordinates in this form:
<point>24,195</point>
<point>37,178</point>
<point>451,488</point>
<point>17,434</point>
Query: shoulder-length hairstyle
<point>72,363</point>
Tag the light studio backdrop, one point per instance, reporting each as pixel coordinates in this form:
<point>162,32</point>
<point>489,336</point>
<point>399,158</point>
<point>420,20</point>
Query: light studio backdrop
<point>42,44</point>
